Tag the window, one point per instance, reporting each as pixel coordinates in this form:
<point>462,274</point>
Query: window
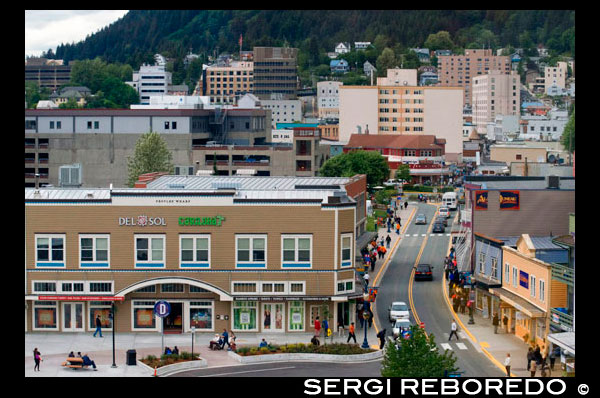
<point>103,309</point>
<point>244,287</point>
<point>542,295</point>
<point>481,262</point>
<point>44,287</point>
<point>346,247</point>
<point>345,286</point>
<point>96,125</point>
<point>244,315</point>
<point>274,287</point>
<point>201,315</point>
<point>71,287</point>
<point>50,250</point>
<point>296,251</point>
<point>149,251</point>
<point>251,251</point>
<point>58,125</point>
<point>51,125</point>
<point>100,287</point>
<point>89,124</point>
<point>94,251</point>
<point>494,267</point>
<point>143,315</point>
<point>297,287</point>
<point>506,273</point>
<point>194,251</point>
<point>147,289</point>
<point>532,285</point>
<point>171,288</point>
<point>515,276</point>
<point>296,316</point>
<point>167,125</point>
<point>518,157</point>
<point>45,315</point>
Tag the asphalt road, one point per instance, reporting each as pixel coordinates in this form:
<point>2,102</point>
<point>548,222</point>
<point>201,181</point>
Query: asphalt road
<point>428,295</point>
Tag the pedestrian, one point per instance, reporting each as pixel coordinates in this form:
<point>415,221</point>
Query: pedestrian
<point>225,337</point>
<point>507,364</point>
<point>373,261</point>
<point>553,355</point>
<point>37,357</point>
<point>317,327</point>
<point>537,355</point>
<point>453,331</point>
<point>397,228</point>
<point>389,224</point>
<point>380,252</point>
<point>463,304</point>
<point>314,341</point>
<point>532,367</point>
<point>98,326</point>
<point>529,357</point>
<point>505,323</point>
<point>351,334</point>
<point>387,241</point>
<point>381,337</point>
<point>370,320</point>
<point>87,361</point>
<point>405,205</point>
<point>495,322</point>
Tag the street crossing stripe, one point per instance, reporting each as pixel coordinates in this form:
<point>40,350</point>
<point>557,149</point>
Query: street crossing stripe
<point>446,346</point>
<point>461,346</point>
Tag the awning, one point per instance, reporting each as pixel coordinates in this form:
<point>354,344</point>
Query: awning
<point>565,340</point>
<point>518,302</point>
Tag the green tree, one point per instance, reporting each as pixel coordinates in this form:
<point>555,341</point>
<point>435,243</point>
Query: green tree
<point>417,357</point>
<point>70,104</point>
<point>371,163</point>
<point>439,41</point>
<point>411,60</point>
<point>387,60</point>
<point>119,93</point>
<point>403,172</point>
<point>33,94</point>
<point>151,155</point>
<point>568,135</point>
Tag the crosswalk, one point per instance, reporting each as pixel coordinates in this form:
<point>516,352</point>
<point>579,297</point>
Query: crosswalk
<point>449,345</point>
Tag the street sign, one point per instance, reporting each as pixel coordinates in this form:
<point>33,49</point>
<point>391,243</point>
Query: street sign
<point>422,325</point>
<point>162,309</point>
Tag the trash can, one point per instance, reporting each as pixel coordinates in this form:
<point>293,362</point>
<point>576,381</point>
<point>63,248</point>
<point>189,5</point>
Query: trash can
<point>131,357</point>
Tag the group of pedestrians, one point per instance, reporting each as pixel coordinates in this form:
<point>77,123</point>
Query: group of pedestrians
<point>219,341</point>
<point>375,250</point>
<point>538,359</point>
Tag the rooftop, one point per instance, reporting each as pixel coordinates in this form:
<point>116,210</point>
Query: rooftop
<point>396,141</point>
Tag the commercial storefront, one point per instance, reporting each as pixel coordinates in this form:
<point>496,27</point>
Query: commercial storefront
<point>246,257</point>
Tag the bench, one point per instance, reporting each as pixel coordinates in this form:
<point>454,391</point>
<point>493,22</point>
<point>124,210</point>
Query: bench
<point>74,363</point>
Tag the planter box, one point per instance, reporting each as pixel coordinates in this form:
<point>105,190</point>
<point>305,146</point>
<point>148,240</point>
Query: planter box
<point>306,357</point>
<point>176,367</point>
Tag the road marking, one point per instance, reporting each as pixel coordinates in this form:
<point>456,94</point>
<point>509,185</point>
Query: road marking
<point>484,344</point>
<point>448,234</point>
<point>423,234</point>
<point>446,346</point>
<point>461,346</point>
<point>249,371</point>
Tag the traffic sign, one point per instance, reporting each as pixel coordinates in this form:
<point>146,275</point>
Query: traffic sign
<point>162,308</point>
<point>422,325</point>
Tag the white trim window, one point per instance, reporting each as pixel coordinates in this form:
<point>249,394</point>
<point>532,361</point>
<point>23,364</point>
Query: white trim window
<point>481,262</point>
<point>532,285</point>
<point>273,287</point>
<point>172,288</point>
<point>142,316</point>
<point>245,287</point>
<point>506,273</point>
<point>244,316</point>
<point>298,287</point>
<point>50,250</point>
<point>494,273</point>
<point>344,286</point>
<point>94,251</point>
<point>346,250</point>
<point>45,315</point>
<point>296,251</point>
<point>251,251</point>
<point>296,316</point>
<point>194,251</point>
<point>43,287</point>
<point>71,287</point>
<point>542,295</point>
<point>149,251</point>
<point>94,287</point>
<point>515,277</point>
<point>201,316</point>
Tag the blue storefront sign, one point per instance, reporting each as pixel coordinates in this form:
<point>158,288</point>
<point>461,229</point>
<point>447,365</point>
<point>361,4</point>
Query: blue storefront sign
<point>524,279</point>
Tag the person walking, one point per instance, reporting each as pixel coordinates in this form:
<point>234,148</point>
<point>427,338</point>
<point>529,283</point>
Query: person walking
<point>370,320</point>
<point>463,304</point>
<point>37,357</point>
<point>387,241</point>
<point>532,367</point>
<point>98,326</point>
<point>507,364</point>
<point>225,337</point>
<point>529,357</point>
<point>351,334</point>
<point>553,355</point>
<point>373,261</point>
<point>381,337</point>
<point>454,328</point>
<point>397,228</point>
<point>405,205</point>
<point>366,279</point>
<point>495,322</point>
<point>537,355</point>
<point>505,323</point>
<point>317,327</point>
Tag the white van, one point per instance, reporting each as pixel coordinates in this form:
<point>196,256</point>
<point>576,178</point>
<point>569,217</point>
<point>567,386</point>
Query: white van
<point>449,200</point>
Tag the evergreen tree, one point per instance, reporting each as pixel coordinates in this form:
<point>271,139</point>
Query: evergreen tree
<point>387,60</point>
<point>151,155</point>
<point>373,164</point>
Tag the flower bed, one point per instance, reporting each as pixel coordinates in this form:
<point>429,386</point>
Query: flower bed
<point>170,359</point>
<point>300,348</point>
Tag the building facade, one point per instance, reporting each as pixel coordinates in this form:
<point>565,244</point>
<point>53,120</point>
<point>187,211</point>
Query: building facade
<point>47,74</point>
<point>457,70</point>
<point>495,93</point>
<point>135,247</point>
<point>555,76</point>
<point>150,80</point>
<point>226,83</point>
<point>275,72</point>
<point>283,111</point>
<point>328,99</point>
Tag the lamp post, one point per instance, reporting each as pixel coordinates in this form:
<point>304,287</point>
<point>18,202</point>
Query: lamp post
<point>112,317</point>
<point>365,343</point>
<point>472,299</point>
<point>193,331</point>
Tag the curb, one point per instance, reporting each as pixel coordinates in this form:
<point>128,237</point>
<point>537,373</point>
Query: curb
<point>306,357</point>
<point>176,367</point>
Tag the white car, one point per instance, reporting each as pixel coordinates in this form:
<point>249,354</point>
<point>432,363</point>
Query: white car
<point>399,326</point>
<point>444,211</point>
<point>398,310</point>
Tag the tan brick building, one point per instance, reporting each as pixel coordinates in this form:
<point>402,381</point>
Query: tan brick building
<point>225,84</point>
<point>265,255</point>
<point>495,93</point>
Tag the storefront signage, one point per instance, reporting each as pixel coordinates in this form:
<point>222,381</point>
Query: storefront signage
<point>481,200</point>
<point>217,220</point>
<point>81,298</point>
<point>261,298</point>
<point>524,279</point>
<point>142,221</point>
<point>509,200</point>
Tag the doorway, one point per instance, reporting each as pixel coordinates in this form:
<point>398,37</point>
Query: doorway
<point>273,317</point>
<point>173,323</point>
<point>343,314</point>
<point>72,317</point>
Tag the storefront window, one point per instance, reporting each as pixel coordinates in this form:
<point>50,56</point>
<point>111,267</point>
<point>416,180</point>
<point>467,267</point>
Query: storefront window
<point>201,314</point>
<point>244,315</point>
<point>296,316</point>
<point>143,315</point>
<point>45,315</point>
<point>101,308</point>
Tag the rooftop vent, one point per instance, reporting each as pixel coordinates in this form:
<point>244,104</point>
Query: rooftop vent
<point>89,195</point>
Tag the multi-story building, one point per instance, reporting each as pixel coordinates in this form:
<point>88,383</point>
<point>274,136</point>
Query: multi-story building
<point>328,99</point>
<point>555,76</point>
<point>226,83</point>
<point>362,45</point>
<point>86,249</point>
<point>78,94</point>
<point>399,109</point>
<point>457,70</point>
<point>150,80</point>
<point>100,140</point>
<point>495,93</point>
<point>330,132</point>
<point>47,73</point>
<point>275,72</point>
<point>283,111</point>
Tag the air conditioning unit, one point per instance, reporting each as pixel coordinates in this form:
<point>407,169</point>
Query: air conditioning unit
<point>69,175</point>
<point>184,170</point>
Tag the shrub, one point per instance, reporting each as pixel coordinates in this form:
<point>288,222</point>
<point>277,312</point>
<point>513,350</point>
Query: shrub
<point>243,350</point>
<point>264,350</point>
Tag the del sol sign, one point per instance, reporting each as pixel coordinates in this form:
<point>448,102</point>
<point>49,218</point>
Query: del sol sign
<point>142,221</point>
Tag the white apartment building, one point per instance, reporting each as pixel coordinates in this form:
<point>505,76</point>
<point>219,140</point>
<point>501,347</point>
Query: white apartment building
<point>149,81</point>
<point>328,99</point>
<point>544,128</point>
<point>361,45</point>
<point>283,111</point>
<point>494,93</point>
<point>342,48</point>
<point>555,75</point>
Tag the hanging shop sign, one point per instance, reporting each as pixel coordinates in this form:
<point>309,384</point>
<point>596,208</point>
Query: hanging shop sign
<point>481,200</point>
<point>142,221</point>
<point>509,200</point>
<point>81,298</point>
<point>524,279</point>
<point>199,221</point>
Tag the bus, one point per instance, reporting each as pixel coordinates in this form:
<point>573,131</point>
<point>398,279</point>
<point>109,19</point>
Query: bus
<point>449,200</point>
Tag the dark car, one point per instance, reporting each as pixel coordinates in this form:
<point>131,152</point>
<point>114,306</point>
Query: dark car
<point>439,227</point>
<point>423,272</point>
<point>441,219</point>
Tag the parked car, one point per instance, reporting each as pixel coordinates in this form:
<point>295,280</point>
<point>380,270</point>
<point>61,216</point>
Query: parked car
<point>424,271</point>
<point>401,325</point>
<point>398,310</point>
<point>420,219</point>
<point>441,219</point>
<point>444,211</point>
<point>438,227</point>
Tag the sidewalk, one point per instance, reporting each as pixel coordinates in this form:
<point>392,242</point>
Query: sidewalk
<point>54,348</point>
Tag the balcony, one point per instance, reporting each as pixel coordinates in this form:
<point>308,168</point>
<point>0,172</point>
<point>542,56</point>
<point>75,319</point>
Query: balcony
<point>559,317</point>
<point>563,274</point>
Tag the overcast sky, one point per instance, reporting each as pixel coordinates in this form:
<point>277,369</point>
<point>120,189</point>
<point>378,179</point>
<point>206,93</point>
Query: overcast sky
<point>46,29</point>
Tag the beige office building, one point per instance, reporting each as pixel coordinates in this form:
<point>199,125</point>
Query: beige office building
<point>555,75</point>
<point>225,84</point>
<point>494,93</point>
<point>457,70</point>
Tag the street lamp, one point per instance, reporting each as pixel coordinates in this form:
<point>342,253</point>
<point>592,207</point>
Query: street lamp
<point>365,343</point>
<point>472,299</point>
<point>112,318</point>
<point>193,331</point>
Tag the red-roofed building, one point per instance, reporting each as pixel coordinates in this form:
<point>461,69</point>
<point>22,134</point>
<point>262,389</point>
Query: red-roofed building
<point>423,153</point>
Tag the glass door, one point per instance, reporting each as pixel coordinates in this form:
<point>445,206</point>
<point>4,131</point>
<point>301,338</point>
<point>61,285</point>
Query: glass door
<point>273,317</point>
<point>73,317</point>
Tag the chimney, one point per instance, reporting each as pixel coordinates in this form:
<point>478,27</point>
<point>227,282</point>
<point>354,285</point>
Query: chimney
<point>367,130</point>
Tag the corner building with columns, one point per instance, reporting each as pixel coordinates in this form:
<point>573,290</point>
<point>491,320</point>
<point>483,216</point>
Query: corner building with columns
<point>255,254</point>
